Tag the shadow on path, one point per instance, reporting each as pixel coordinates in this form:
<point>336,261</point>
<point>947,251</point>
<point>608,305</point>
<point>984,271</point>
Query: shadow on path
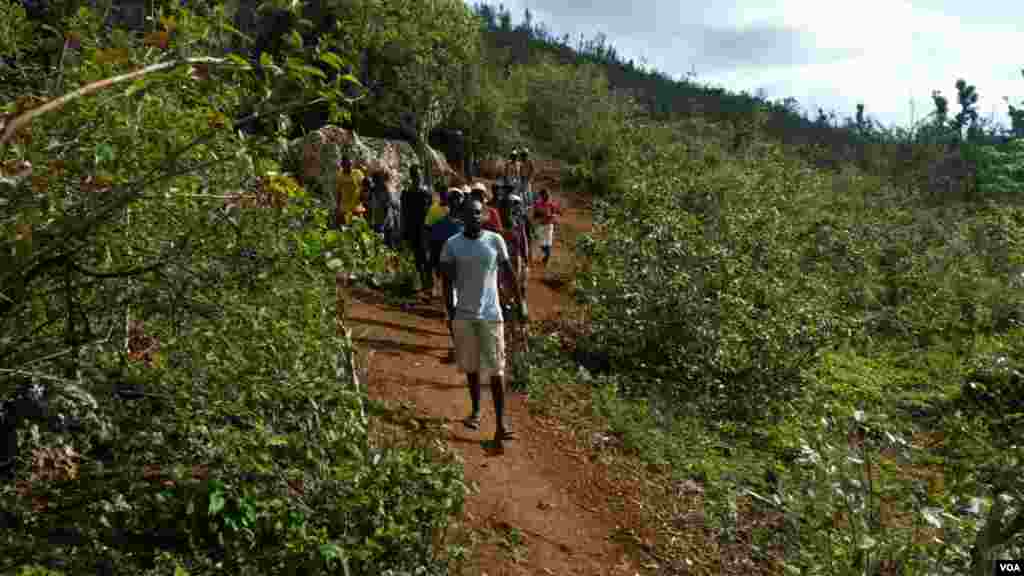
<point>384,346</point>
<point>402,327</point>
<point>436,385</point>
<point>420,305</point>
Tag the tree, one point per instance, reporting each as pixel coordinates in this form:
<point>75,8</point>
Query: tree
<point>114,178</point>
<point>487,13</point>
<point>491,104</point>
<point>1016,118</point>
<point>967,117</point>
<point>504,19</point>
<point>422,52</point>
<point>941,108</point>
<point>1016,121</point>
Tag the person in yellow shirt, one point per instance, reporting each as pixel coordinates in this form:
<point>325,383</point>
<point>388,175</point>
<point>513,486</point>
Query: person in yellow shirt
<point>349,188</point>
<point>438,210</point>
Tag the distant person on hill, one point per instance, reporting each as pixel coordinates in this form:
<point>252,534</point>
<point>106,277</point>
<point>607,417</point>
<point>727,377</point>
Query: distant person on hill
<point>546,212</point>
<point>349,187</point>
<point>512,167</point>
<point>416,201</point>
<point>470,261</point>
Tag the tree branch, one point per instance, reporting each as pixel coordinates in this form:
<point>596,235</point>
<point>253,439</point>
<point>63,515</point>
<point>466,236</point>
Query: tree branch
<point>118,274</point>
<point>26,117</point>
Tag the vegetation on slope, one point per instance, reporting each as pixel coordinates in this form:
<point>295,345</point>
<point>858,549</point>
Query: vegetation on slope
<point>177,395</point>
<point>819,322</point>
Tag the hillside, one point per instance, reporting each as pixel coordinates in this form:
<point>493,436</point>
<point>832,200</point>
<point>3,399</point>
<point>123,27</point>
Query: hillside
<point>766,345</point>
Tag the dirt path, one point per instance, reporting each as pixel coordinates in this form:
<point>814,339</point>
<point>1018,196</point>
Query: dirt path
<point>542,489</point>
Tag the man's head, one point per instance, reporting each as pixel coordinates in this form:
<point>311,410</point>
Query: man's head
<point>545,195</point>
<point>515,207</point>
<point>346,164</point>
<point>455,201</point>
<point>479,192</point>
<point>473,217</point>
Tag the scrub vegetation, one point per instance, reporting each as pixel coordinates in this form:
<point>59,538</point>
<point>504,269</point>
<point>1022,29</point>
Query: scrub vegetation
<point>808,331</point>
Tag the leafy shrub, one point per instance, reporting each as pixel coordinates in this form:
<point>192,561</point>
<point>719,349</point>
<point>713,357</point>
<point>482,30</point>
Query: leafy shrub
<point>167,291</point>
<point>754,292</point>
<point>707,298</point>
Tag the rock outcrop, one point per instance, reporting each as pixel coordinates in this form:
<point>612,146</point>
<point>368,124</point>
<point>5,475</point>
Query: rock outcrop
<point>370,154</point>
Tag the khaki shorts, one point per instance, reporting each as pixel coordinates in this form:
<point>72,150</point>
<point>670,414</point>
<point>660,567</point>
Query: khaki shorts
<point>480,347</point>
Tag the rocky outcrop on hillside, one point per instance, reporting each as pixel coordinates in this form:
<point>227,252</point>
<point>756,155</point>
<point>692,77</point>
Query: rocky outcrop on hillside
<point>370,154</point>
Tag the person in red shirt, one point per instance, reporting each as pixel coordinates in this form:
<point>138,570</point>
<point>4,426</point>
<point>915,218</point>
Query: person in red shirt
<point>516,239</point>
<point>493,221</point>
<point>546,212</point>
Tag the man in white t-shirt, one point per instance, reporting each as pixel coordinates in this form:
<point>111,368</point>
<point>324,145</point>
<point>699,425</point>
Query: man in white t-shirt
<point>470,261</point>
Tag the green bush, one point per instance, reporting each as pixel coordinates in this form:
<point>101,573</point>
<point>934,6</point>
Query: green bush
<point>695,284</point>
<point>769,301</point>
<point>171,297</point>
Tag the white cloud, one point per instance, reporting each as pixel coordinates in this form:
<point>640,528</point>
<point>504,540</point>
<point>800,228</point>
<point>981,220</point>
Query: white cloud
<point>824,53</point>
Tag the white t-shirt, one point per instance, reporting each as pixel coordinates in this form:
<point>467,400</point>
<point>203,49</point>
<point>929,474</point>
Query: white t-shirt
<point>476,274</point>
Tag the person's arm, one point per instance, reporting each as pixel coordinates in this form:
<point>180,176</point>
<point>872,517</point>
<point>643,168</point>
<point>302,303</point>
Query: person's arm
<point>506,265</point>
<point>517,288</point>
<point>448,275</point>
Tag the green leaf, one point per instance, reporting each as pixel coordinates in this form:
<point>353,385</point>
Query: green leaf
<point>331,551</point>
<point>235,31</point>
<point>867,543</point>
<point>332,60</point>
<point>352,79</point>
<point>306,68</point>
<point>241,62</point>
<point>104,153</point>
<point>135,87</point>
<point>179,571</point>
<point>216,503</point>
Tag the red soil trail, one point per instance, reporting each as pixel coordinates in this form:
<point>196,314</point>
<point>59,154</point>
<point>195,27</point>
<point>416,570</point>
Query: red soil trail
<point>542,485</point>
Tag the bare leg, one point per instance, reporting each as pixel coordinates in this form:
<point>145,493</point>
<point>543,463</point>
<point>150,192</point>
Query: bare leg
<point>474,394</point>
<point>498,393</point>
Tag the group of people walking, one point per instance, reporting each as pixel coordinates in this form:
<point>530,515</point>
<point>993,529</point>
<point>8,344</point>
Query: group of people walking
<point>476,241</point>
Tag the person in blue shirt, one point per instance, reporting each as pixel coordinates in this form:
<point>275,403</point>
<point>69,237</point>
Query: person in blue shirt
<point>440,232</point>
<point>470,261</point>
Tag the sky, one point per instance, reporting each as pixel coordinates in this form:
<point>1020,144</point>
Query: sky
<point>824,53</point>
